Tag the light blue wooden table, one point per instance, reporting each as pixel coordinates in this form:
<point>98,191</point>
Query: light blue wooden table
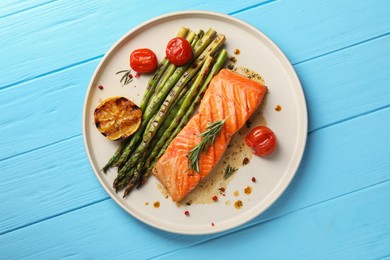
<point>52,206</point>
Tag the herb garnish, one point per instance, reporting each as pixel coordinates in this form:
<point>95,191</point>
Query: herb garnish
<point>127,76</point>
<point>208,138</point>
<point>229,171</point>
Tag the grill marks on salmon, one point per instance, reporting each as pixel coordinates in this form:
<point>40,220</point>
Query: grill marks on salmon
<point>229,95</point>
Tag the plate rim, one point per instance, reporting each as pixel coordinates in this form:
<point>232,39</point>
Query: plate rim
<point>274,196</point>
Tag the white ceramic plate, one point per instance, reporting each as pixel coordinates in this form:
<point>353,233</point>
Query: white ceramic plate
<point>273,174</point>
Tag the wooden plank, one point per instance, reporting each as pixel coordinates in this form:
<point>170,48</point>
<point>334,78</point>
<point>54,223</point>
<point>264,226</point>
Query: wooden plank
<point>307,29</point>
<point>363,87</point>
<point>46,41</point>
<point>43,111</point>
<point>12,7</point>
<point>56,180</point>
<point>352,226</point>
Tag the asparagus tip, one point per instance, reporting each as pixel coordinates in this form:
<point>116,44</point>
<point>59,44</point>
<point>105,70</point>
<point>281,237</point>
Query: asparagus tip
<point>128,190</point>
<point>106,168</point>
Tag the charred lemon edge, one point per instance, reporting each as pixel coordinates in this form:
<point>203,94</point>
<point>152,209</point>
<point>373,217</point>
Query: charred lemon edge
<point>110,102</point>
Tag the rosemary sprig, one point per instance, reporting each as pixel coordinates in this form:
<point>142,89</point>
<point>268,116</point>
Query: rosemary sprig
<point>229,171</point>
<point>127,77</point>
<point>207,139</point>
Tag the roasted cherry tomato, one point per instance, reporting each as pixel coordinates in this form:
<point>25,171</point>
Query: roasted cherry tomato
<point>262,140</point>
<point>178,51</point>
<point>143,61</point>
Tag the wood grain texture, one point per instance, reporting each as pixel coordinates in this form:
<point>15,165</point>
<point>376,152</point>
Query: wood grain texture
<point>65,33</point>
<point>50,108</point>
<point>12,7</point>
<point>326,212</point>
<point>53,206</point>
<point>305,29</point>
<point>354,226</point>
<point>335,93</point>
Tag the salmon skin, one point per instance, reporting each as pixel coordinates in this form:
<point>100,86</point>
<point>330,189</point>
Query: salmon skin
<point>230,95</point>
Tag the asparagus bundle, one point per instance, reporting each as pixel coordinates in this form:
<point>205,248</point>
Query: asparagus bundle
<point>171,97</point>
<point>181,117</point>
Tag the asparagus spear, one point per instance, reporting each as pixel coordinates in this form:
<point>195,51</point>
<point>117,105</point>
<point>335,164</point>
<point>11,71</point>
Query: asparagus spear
<point>159,98</point>
<point>170,100</point>
<point>152,83</point>
<point>198,36</point>
<point>171,115</point>
<point>117,155</point>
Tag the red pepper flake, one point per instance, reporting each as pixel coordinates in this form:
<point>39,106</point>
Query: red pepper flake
<point>100,87</point>
<point>253,179</point>
<point>245,161</point>
<point>222,189</point>
<point>215,198</point>
<point>187,213</point>
<point>130,76</point>
<point>212,224</point>
<point>136,75</point>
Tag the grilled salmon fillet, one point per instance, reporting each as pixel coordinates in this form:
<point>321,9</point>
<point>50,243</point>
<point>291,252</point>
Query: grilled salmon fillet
<point>229,95</point>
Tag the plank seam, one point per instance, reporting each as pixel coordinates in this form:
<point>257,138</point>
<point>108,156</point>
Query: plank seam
<point>342,48</point>
<point>350,118</point>
<point>40,147</point>
<point>251,7</point>
<point>54,216</point>
<point>27,9</point>
<point>52,72</point>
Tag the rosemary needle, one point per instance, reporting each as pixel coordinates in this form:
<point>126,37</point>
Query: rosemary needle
<point>229,171</point>
<point>127,77</point>
<point>207,139</point>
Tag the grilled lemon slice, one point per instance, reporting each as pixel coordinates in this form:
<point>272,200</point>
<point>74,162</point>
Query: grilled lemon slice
<point>117,117</point>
